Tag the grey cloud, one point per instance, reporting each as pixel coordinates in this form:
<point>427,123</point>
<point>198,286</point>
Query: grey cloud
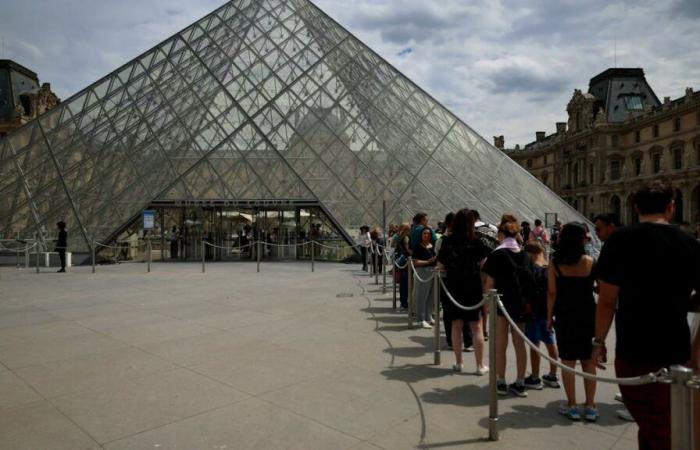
<point>686,8</point>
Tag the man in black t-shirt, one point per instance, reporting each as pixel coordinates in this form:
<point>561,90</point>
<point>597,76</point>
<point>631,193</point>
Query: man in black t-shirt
<point>650,270</point>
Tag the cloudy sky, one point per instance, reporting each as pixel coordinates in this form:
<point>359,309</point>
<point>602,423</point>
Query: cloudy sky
<point>504,66</point>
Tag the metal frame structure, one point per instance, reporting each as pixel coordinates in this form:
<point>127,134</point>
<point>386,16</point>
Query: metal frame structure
<point>260,99</point>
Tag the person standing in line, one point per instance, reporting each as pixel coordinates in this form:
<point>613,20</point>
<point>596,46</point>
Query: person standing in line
<point>536,328</point>
<point>462,254</point>
<point>525,231</point>
<point>364,241</point>
<point>540,233</point>
<point>377,242</point>
<point>62,245</point>
<point>508,270</point>
<point>403,252</point>
<point>424,261</point>
<point>444,301</point>
<point>571,312</point>
<point>174,242</point>
<point>647,273</point>
<point>605,225</point>
<point>488,233</point>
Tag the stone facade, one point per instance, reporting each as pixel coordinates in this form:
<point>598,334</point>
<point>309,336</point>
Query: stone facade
<point>21,97</point>
<point>596,163</point>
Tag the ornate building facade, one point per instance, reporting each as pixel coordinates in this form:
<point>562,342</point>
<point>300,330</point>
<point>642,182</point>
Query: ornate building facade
<point>619,134</point>
<point>21,97</point>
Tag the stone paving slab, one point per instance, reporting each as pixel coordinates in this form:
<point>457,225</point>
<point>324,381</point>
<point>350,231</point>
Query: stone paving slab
<point>235,359</point>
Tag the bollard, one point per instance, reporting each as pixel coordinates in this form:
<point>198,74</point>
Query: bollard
<point>204,256</point>
<point>492,297</point>
<point>313,256</point>
<point>681,409</point>
<point>92,254</point>
<point>148,249</point>
<point>436,327</point>
<point>393,276</point>
<point>258,251</point>
<point>410,293</point>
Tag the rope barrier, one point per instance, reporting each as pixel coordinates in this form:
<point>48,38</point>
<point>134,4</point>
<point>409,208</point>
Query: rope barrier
<point>658,377</point>
<point>99,244</point>
<point>18,250</point>
<point>229,248</point>
<point>420,280</point>
<point>400,267</point>
<point>694,383</point>
<point>335,248</point>
<point>457,304</point>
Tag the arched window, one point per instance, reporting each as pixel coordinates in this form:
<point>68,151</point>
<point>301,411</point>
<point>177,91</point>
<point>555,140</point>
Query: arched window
<point>615,205</point>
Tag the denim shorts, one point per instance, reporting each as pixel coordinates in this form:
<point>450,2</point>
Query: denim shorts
<point>536,331</point>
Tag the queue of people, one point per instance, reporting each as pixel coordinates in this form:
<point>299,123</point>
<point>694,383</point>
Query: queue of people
<point>646,278</point>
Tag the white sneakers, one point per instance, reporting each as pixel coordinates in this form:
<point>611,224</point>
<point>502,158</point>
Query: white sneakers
<point>425,325</point>
<point>481,371</point>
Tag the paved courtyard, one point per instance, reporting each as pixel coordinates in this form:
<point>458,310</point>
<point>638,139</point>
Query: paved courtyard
<point>234,359</point>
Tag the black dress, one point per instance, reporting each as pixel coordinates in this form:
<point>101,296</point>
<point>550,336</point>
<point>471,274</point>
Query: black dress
<point>574,316</point>
<point>461,258</point>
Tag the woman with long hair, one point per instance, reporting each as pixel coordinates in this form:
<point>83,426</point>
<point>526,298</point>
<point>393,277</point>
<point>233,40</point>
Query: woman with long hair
<point>571,312</point>
<point>507,271</point>
<point>461,255</point>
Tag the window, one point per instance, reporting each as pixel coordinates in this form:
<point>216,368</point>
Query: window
<point>677,124</point>
<point>677,158</point>
<point>655,131</point>
<point>614,170</point>
<point>697,154</point>
<point>591,173</point>
<point>614,140</point>
<point>637,166</point>
<point>545,178</point>
<point>634,103</point>
<point>637,136</point>
<point>545,160</point>
<point>656,162</point>
<point>529,163</point>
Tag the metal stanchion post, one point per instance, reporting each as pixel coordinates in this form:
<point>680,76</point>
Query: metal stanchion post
<point>384,269</point>
<point>258,252</point>
<point>148,249</point>
<point>204,256</point>
<point>26,257</point>
<point>376,264</point>
<point>36,253</point>
<point>410,293</point>
<point>493,375</point>
<point>313,256</point>
<point>681,409</point>
<point>436,327</point>
<point>394,273</point>
<point>92,255</point>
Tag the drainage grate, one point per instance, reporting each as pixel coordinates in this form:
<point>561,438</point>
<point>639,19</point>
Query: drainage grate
<point>344,295</point>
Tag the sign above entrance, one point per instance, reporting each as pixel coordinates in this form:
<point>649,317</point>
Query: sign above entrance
<point>149,220</point>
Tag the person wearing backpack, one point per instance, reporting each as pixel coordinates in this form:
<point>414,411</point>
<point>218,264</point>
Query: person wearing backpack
<point>536,328</point>
<point>509,270</point>
<point>461,254</point>
<point>571,312</point>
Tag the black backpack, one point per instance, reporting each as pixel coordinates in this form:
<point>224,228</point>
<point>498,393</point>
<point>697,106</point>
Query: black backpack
<point>525,283</point>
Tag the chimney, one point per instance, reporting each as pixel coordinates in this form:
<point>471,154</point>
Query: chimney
<point>561,127</point>
<point>539,136</point>
<point>667,100</point>
<point>688,92</point>
<point>499,142</point>
<point>517,146</point>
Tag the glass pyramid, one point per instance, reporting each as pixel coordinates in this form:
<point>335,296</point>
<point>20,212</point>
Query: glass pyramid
<point>261,99</point>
